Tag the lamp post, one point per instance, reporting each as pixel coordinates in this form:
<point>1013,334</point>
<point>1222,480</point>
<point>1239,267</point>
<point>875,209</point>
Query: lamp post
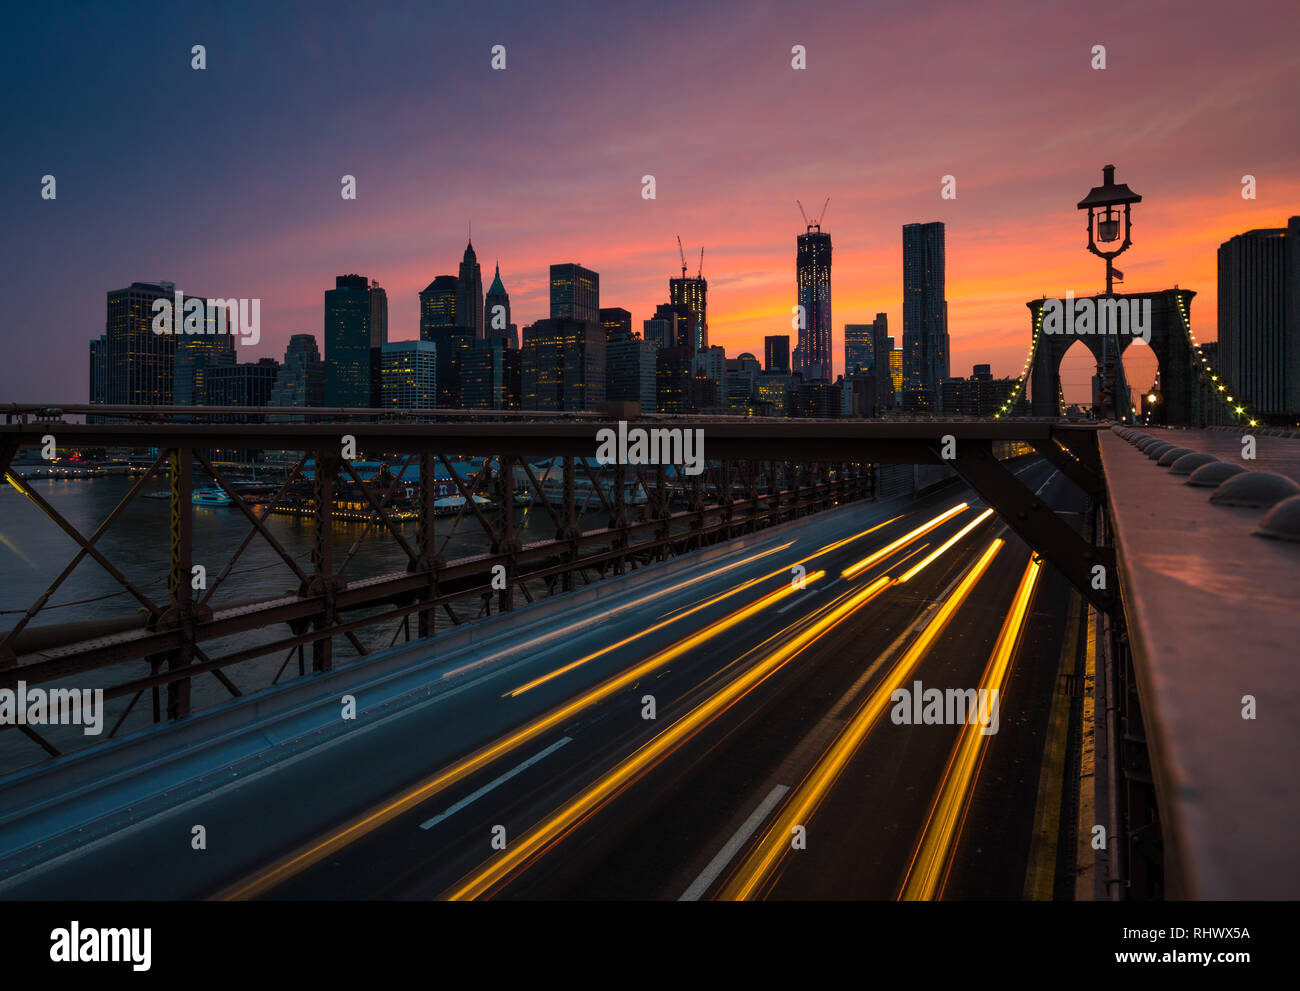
<point>1110,232</point>
<point>1108,219</point>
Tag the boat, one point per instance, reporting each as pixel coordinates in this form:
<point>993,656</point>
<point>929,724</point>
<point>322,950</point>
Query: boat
<point>450,505</point>
<point>210,497</point>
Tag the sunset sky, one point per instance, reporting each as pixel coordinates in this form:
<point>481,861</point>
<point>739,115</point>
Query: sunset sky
<point>226,181</point>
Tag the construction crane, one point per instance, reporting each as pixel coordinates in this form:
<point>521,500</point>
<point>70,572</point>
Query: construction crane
<point>681,251</point>
<point>818,222</point>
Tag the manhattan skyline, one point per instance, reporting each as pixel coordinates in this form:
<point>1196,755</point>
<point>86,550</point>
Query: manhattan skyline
<point>233,186</point>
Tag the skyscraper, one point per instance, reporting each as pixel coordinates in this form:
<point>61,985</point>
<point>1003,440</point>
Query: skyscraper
<point>563,365</point>
<point>616,322</point>
<point>1259,318</point>
<point>301,380</point>
<point>490,375</point>
<point>858,355</point>
<point>194,356</point>
<point>630,372</point>
<point>813,279</point>
<point>408,375</point>
<point>438,305</point>
<point>497,315</point>
<point>98,371</point>
<point>139,365</point>
<point>883,371</point>
<point>575,293</point>
<point>378,338</point>
<point>925,313</point>
<point>242,384</point>
<point>776,353</point>
<point>694,295</point>
<point>356,328</point>
<point>469,295</point>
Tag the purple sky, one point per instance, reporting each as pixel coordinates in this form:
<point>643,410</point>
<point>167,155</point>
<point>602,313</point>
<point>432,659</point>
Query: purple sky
<point>226,181</point>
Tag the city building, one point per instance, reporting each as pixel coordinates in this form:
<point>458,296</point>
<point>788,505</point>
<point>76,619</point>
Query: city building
<point>813,279</point>
<point>883,371</point>
<point>194,356</point>
<point>711,362</point>
<point>356,328</point>
<point>630,372</point>
<point>454,346</point>
<point>978,396</point>
<point>98,373</point>
<point>925,315</point>
<point>139,365</point>
<point>469,294</point>
<point>438,305</point>
<point>490,376</point>
<point>741,382</point>
<point>563,364</point>
<point>776,353</point>
<point>693,294</point>
<point>774,389</point>
<point>675,326</point>
<point>497,316</point>
<point>408,375</point>
<point>1259,318</point>
<point>575,293</point>
<point>616,322</point>
<point>301,380</point>
<point>673,379</point>
<point>244,384</point>
<point>858,338</point>
<point>818,399</point>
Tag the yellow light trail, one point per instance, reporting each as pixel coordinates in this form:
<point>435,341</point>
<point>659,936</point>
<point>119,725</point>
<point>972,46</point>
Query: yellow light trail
<point>916,569</point>
<point>854,570</point>
<point>566,668</point>
<point>580,625</point>
<point>767,854</point>
<point>299,860</point>
<point>930,862</point>
<point>558,824</point>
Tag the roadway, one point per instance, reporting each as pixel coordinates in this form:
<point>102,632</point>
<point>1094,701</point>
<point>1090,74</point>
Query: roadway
<point>772,711</point>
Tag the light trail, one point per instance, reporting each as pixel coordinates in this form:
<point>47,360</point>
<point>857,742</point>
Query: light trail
<point>554,828</point>
<point>854,570</point>
<point>765,857</point>
<point>572,665</point>
<point>294,863</point>
<point>932,858</point>
<point>933,555</point>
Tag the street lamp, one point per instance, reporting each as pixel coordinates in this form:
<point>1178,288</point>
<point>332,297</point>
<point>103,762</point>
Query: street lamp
<point>1109,225</point>
<point>1106,220</point>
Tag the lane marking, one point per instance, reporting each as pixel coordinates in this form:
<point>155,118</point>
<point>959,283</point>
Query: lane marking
<point>733,845</point>
<point>471,799</point>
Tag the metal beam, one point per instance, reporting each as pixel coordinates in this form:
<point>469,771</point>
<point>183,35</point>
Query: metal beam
<point>1040,527</point>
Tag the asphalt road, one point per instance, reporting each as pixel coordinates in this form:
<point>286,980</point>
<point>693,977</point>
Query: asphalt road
<point>750,694</point>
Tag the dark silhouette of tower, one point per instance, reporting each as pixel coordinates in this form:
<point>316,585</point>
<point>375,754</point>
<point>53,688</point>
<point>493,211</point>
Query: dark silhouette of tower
<point>813,278</point>
<point>469,296</point>
<point>925,315</point>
